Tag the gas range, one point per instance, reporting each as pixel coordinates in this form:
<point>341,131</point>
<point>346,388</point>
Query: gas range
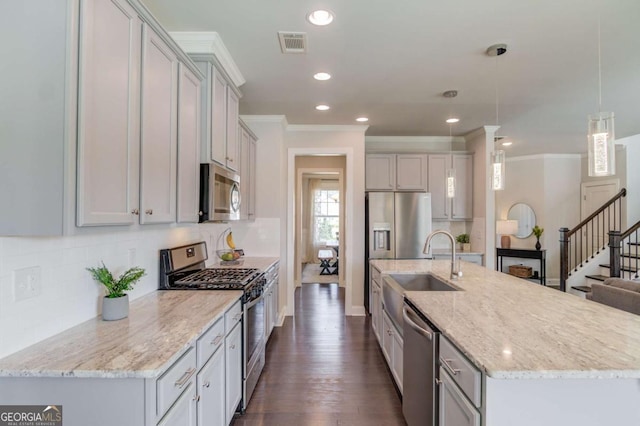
<point>183,268</point>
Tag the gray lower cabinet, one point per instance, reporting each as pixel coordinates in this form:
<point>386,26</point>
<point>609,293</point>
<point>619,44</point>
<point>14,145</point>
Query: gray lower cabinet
<point>183,413</point>
<point>211,388</point>
<point>455,409</point>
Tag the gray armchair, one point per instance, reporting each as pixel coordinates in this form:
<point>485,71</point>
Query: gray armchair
<point>618,293</point>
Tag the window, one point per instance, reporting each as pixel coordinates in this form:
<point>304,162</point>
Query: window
<point>326,208</point>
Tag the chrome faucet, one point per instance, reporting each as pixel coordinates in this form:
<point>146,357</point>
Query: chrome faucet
<point>427,248</point>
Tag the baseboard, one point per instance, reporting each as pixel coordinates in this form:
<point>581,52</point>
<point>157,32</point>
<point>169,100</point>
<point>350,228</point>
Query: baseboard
<point>358,311</point>
<point>280,319</point>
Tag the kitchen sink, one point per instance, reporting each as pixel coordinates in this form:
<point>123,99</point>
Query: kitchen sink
<point>421,282</point>
<point>394,286</point>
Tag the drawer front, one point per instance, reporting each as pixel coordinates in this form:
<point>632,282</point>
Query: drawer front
<point>454,408</point>
<point>232,317</point>
<point>211,340</point>
<point>375,274</point>
<point>463,372</point>
<point>175,380</point>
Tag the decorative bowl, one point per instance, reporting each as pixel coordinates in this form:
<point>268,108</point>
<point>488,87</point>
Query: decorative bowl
<point>226,255</point>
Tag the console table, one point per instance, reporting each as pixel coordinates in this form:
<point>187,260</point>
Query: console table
<point>540,255</point>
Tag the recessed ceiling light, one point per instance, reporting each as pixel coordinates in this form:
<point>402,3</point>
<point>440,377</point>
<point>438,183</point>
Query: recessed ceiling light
<point>452,120</point>
<point>508,143</point>
<point>320,17</point>
<point>362,119</point>
<point>322,107</point>
<point>322,76</point>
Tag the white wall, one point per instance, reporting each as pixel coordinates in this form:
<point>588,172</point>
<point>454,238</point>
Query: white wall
<point>550,184</point>
<point>69,295</point>
<point>347,140</point>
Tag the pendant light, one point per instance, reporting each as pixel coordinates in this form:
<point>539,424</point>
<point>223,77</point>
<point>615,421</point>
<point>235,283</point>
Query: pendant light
<point>450,181</point>
<point>601,137</point>
<point>497,156</point>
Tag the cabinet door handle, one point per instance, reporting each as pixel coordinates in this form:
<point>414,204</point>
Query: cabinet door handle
<point>233,346</point>
<point>217,339</point>
<point>185,377</point>
<point>149,212</point>
<point>448,366</point>
<point>135,211</point>
<point>206,385</point>
<point>438,382</point>
<point>237,317</point>
<point>196,398</point>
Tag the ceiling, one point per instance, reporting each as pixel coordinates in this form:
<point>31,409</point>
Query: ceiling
<point>391,61</point>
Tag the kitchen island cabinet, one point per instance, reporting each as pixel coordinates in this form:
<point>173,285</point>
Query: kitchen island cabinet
<point>154,365</point>
<point>544,357</point>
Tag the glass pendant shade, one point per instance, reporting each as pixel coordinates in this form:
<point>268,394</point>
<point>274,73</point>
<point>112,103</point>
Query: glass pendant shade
<point>602,161</point>
<point>497,170</point>
<point>451,183</point>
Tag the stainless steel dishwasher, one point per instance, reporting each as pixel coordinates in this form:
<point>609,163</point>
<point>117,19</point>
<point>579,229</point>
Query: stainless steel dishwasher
<point>420,370</point>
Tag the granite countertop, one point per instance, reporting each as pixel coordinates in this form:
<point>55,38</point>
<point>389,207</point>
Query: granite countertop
<point>513,329</point>
<point>262,263</point>
<point>160,328</point>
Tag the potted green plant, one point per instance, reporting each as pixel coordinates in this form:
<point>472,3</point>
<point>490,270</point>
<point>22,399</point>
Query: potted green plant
<point>463,239</point>
<point>537,231</point>
<point>115,304</point>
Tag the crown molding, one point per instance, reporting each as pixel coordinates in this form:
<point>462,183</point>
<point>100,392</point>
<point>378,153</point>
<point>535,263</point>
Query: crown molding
<point>327,128</point>
<point>276,119</point>
<point>545,157</point>
<point>209,42</point>
<point>414,139</point>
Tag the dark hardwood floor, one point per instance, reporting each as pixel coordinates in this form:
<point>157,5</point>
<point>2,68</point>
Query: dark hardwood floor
<point>323,369</point>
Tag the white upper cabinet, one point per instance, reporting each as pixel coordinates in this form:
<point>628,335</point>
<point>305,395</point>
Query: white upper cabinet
<point>218,142</point>
<point>247,145</point>
<point>461,206</point>
<point>411,172</point>
<point>108,113</point>
<point>188,145</point>
<point>220,114</point>
<point>396,172</point>
<point>159,130</point>
<point>233,103</point>
<point>380,172</point>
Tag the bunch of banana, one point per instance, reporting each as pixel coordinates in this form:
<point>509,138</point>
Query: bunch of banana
<point>230,242</point>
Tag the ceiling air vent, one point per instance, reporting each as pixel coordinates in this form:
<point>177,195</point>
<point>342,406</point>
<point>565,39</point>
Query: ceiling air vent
<point>291,42</point>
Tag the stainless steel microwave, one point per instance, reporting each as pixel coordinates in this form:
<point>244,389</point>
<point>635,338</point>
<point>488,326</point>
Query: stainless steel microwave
<point>219,194</point>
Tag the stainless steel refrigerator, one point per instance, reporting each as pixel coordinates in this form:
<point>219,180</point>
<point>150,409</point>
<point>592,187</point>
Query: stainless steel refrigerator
<point>397,225</point>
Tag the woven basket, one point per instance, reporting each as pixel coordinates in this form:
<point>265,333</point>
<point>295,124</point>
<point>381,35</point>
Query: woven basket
<point>521,271</point>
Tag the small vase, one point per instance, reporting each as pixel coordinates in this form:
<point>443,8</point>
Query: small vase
<point>115,308</point>
<point>466,246</point>
<point>538,245</point>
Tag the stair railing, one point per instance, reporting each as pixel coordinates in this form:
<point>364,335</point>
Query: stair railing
<point>617,255</point>
<point>589,237</point>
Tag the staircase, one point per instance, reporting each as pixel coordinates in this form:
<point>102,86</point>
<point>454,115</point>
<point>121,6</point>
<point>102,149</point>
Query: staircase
<point>584,249</point>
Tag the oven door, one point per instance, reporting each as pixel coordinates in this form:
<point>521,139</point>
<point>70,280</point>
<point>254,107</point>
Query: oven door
<point>254,316</point>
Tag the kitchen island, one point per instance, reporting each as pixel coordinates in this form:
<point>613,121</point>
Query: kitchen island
<point>546,357</point>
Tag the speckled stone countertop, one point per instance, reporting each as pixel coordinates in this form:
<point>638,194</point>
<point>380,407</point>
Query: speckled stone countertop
<point>160,328</point>
<point>262,263</point>
<point>513,329</point>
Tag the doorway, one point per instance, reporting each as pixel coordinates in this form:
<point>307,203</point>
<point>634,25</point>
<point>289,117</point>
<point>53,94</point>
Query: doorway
<point>297,164</point>
<point>594,195</point>
<point>319,219</point>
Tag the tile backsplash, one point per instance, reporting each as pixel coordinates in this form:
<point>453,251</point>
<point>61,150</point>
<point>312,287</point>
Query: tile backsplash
<point>68,294</point>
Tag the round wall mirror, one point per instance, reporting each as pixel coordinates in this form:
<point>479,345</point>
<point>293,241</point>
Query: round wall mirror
<point>526,218</point>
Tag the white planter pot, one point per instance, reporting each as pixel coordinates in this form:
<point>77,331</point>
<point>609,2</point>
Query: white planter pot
<point>115,308</point>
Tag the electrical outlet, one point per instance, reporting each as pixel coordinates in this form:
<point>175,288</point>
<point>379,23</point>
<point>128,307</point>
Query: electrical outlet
<point>27,283</point>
